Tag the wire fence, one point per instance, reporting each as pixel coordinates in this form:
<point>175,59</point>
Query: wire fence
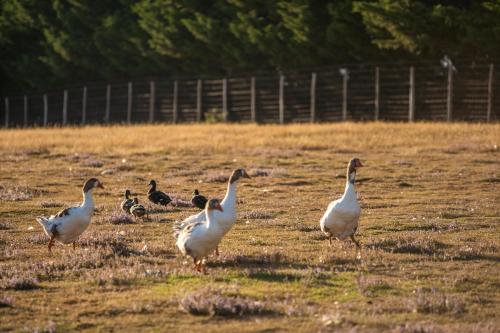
<point>464,91</point>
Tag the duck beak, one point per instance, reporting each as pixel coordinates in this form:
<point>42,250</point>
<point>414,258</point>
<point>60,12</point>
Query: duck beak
<point>246,175</point>
<point>219,207</point>
<point>359,165</point>
<point>100,185</point>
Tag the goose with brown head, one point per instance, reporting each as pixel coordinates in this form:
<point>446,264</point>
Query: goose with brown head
<point>199,239</point>
<point>342,216</point>
<point>227,218</point>
<point>67,225</point>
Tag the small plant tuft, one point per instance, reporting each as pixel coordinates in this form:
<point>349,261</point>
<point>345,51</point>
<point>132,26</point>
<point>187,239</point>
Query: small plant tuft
<point>210,302</point>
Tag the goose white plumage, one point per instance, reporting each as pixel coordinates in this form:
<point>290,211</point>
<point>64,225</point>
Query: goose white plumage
<point>67,225</point>
<point>342,216</point>
<point>199,239</point>
<point>225,218</point>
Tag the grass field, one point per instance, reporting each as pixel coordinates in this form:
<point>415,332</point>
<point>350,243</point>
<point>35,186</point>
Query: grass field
<point>430,229</point>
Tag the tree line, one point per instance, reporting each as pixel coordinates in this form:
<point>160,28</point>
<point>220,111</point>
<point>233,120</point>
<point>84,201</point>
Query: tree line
<point>50,43</point>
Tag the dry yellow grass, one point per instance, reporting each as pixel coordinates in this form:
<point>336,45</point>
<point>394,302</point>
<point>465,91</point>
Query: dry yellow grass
<point>429,229</point>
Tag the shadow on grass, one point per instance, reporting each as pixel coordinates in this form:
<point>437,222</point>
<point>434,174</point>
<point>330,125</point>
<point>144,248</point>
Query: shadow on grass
<point>275,260</point>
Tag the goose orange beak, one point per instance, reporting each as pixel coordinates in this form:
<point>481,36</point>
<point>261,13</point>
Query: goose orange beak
<point>219,207</point>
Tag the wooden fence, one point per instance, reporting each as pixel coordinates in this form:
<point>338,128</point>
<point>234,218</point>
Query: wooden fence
<point>463,92</point>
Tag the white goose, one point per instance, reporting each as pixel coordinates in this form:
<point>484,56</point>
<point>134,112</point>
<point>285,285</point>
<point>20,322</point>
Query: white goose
<point>67,225</point>
<point>199,239</point>
<point>342,215</point>
<point>225,218</point>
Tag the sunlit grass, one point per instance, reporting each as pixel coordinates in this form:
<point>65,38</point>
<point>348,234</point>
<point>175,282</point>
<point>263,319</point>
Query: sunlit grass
<point>429,229</point>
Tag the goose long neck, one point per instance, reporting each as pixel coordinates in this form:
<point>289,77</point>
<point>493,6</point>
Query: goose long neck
<point>210,217</point>
<point>152,189</point>
<point>230,198</point>
<point>88,200</point>
<point>350,187</point>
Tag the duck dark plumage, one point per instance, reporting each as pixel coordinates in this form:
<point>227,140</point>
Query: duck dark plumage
<point>127,202</point>
<point>157,197</point>
<point>198,200</point>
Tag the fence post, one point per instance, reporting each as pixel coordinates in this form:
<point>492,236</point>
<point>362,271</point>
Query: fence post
<point>282,99</point>
<point>344,97</point>
<point>129,103</point>
<point>199,92</point>
<point>377,93</point>
<point>313,97</point>
<point>25,118</point>
<point>449,94</point>
<point>7,112</point>
<point>108,104</point>
<point>84,106</point>
<point>253,115</point>
<point>65,108</point>
<point>175,116</point>
<point>152,92</point>
<point>490,93</point>
<point>411,98</point>
<point>45,110</point>
<point>224,100</point>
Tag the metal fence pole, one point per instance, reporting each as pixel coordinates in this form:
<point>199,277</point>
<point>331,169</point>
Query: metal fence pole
<point>7,112</point>
<point>152,98</point>
<point>84,106</point>
<point>411,98</point>
<point>129,103</point>
<point>253,114</point>
<point>344,97</point>
<point>449,94</point>
<point>199,99</point>
<point>45,110</point>
<point>25,118</point>
<point>282,99</point>
<point>376,102</point>
<point>490,93</point>
<point>313,97</point>
<point>224,100</point>
<point>65,108</point>
<point>108,104</point>
<point>175,116</point>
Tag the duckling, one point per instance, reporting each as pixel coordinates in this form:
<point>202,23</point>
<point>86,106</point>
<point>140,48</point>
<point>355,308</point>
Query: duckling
<point>137,209</point>
<point>157,197</point>
<point>198,200</point>
<point>127,202</point>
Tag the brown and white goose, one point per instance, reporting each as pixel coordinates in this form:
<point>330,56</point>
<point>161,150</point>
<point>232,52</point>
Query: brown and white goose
<point>67,225</point>
<point>342,215</point>
<point>199,239</point>
<point>227,217</point>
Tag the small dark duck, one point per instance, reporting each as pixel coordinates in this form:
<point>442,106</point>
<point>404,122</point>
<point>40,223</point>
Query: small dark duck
<point>198,200</point>
<point>157,197</point>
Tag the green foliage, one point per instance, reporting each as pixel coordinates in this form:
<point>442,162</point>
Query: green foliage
<point>49,43</point>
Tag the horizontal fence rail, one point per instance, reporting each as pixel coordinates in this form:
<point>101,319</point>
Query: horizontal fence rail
<point>459,92</point>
